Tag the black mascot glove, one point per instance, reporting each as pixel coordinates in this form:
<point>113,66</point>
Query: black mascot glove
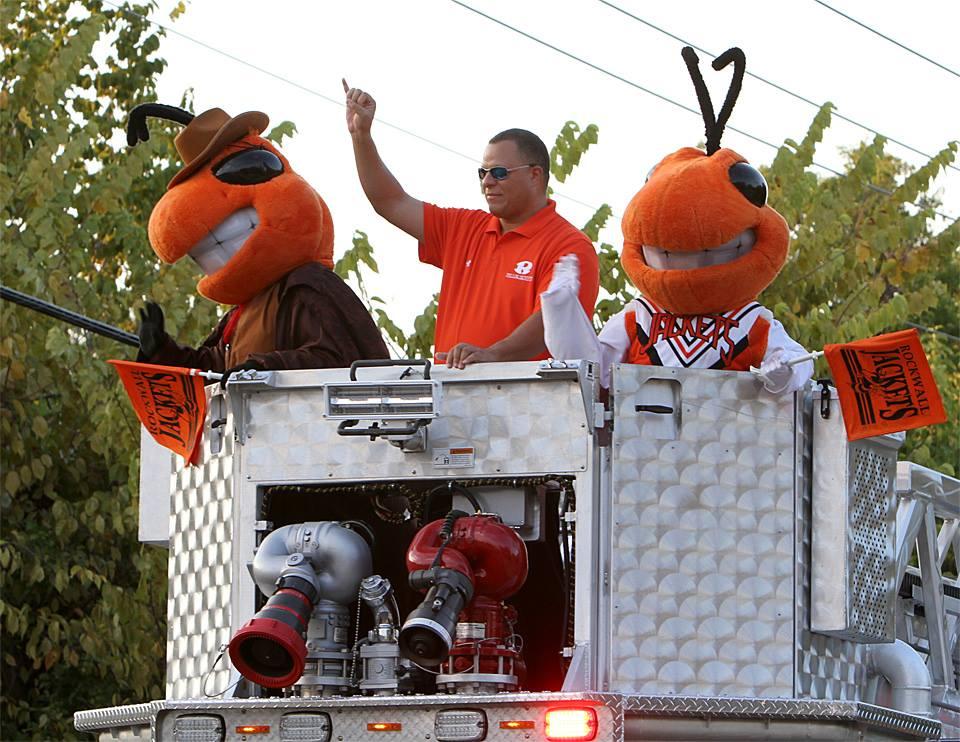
<point>152,335</point>
<point>245,366</point>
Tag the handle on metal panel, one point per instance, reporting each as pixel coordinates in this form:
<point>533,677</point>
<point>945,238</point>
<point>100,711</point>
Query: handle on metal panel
<point>390,362</point>
<point>824,398</point>
<point>659,409</point>
<point>374,430</point>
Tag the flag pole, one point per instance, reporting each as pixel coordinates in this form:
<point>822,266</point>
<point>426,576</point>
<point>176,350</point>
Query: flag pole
<point>212,375</point>
<point>812,356</point>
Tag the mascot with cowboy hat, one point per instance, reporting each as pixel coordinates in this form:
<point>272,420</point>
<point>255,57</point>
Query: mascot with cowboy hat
<point>264,240</point>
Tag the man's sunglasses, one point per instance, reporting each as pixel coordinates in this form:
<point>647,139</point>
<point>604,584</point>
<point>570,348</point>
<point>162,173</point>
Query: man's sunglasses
<point>500,173</point>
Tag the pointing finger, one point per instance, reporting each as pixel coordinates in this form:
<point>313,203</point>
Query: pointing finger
<point>346,88</point>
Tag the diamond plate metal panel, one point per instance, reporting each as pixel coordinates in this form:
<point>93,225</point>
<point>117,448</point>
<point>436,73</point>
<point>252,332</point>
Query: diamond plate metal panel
<point>703,535</point>
<point>738,708</point>
<point>853,548</point>
<point>782,710</point>
<point>349,716</point>
<point>515,427</point>
<point>872,516</point>
<point>199,570</point>
<point>897,721</point>
<point>827,668</point>
<point>950,720</point>
<point>117,716</point>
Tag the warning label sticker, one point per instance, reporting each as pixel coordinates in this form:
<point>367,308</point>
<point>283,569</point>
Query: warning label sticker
<point>454,458</point>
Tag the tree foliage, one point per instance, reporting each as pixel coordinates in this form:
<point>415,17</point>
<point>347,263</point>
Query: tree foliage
<point>82,615</point>
<point>82,608</point>
<point>867,259</point>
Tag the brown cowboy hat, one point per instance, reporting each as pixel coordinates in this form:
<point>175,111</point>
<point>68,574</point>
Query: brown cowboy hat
<point>207,133</point>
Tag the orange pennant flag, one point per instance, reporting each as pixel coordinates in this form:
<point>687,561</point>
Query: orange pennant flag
<point>170,403</point>
<point>885,384</point>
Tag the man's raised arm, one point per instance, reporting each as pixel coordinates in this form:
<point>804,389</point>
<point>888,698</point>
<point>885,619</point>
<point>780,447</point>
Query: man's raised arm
<point>384,191</point>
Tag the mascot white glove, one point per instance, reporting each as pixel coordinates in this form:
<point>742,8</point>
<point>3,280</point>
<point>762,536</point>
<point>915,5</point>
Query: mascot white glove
<point>774,372</point>
<point>566,275</point>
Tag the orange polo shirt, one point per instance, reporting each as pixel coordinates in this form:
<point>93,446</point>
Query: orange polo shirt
<point>492,281</point>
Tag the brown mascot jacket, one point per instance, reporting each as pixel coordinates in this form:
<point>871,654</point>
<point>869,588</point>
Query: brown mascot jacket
<point>310,318</point>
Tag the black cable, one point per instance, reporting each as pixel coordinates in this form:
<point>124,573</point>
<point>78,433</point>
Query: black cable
<point>65,315</point>
<point>428,503</point>
<point>361,529</point>
<point>449,487</point>
<point>206,677</point>
<point>662,97</point>
<point>582,61</point>
<point>453,151</point>
<point>887,38</point>
<point>567,567</point>
<point>311,91</point>
<point>446,531</point>
<point>947,335</point>
<point>460,489</point>
<point>772,84</point>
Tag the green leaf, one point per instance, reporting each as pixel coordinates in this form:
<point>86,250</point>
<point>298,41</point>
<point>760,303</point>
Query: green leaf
<point>75,203</point>
<point>597,222</point>
<point>11,482</point>
<point>569,147</point>
<point>281,130</point>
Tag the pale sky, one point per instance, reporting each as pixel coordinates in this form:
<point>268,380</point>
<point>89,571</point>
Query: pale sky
<point>455,78</point>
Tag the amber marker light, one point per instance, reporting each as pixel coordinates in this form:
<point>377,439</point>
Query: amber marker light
<point>384,726</point>
<point>254,729</point>
<point>518,724</point>
<point>571,724</point>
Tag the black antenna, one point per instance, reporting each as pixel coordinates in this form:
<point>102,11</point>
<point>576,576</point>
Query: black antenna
<point>714,126</point>
<point>137,130</point>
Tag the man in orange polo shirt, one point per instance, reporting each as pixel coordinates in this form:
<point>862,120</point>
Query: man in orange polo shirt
<point>495,264</point>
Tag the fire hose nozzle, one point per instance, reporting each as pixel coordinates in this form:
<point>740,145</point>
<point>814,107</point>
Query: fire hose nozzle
<point>427,635</point>
<point>296,566</point>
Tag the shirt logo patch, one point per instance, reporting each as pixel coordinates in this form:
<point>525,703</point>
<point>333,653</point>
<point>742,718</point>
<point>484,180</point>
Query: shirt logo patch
<point>521,271</point>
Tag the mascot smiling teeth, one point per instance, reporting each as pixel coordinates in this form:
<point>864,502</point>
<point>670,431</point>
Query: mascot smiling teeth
<point>701,243</point>
<point>264,241</point>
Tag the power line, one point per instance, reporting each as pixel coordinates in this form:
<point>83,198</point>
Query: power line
<point>771,83</point>
<point>317,93</point>
<point>605,71</point>
<point>327,98</point>
<point>664,98</point>
<point>129,338</point>
<point>281,78</point>
<point>892,41</point>
<point>947,335</point>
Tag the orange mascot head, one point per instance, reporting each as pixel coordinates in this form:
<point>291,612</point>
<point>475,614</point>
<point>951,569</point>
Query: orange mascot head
<point>699,237</point>
<point>236,207</point>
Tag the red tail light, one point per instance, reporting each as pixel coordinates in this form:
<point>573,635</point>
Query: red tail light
<point>571,724</point>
